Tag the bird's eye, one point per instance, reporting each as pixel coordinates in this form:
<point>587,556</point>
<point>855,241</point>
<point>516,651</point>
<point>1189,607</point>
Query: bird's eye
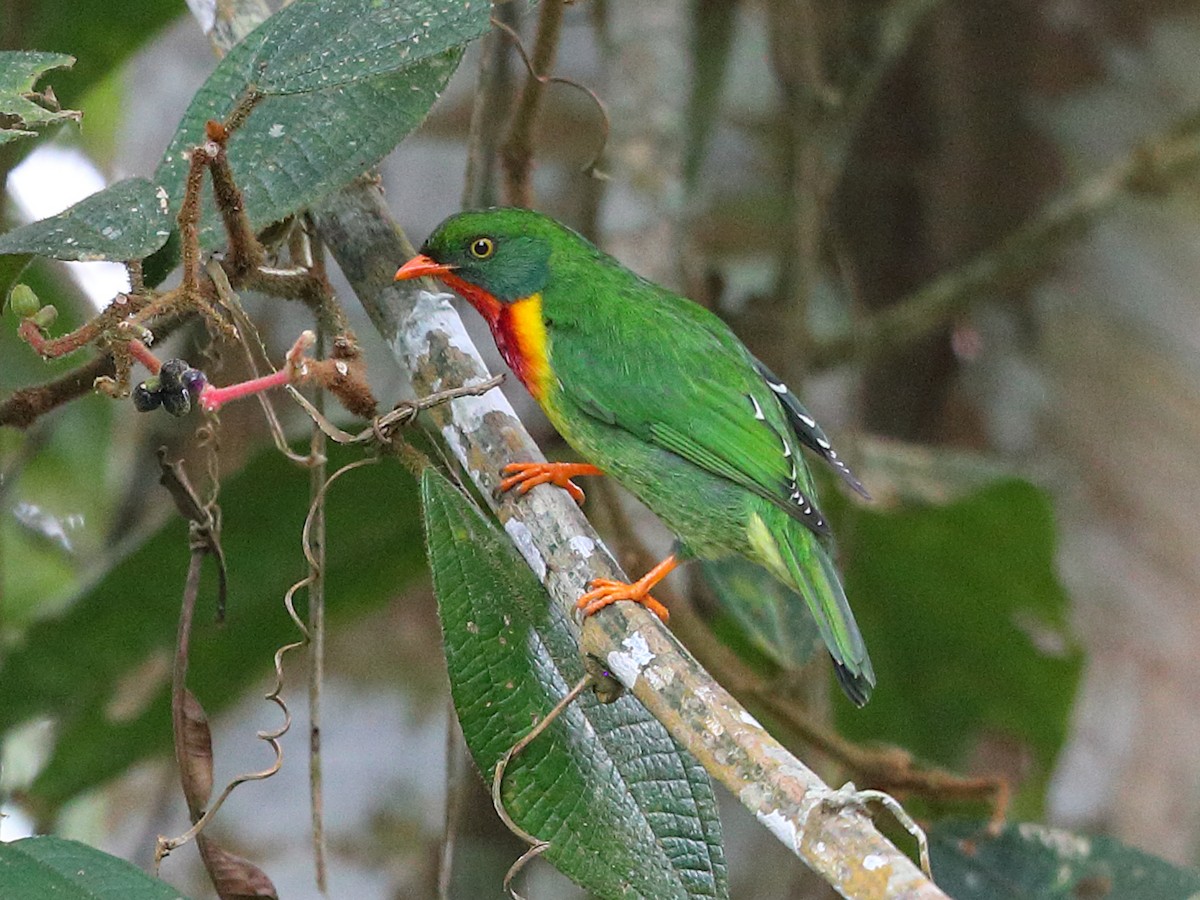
<point>482,248</point>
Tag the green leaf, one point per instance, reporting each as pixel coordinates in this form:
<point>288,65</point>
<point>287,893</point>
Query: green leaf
<point>966,622</point>
<point>627,811</point>
<point>20,115</point>
<point>366,37</point>
<point>1033,862</point>
<point>340,97</point>
<point>42,867</point>
<point>102,668</point>
<point>127,220</point>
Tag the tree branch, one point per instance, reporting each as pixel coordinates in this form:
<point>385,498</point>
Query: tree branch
<point>517,151</point>
<point>483,433</point>
<point>1155,165</point>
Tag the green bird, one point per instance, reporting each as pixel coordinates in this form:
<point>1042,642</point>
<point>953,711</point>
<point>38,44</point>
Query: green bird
<point>658,392</point>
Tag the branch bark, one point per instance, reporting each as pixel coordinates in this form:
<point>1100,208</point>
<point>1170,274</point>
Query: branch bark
<point>428,340</point>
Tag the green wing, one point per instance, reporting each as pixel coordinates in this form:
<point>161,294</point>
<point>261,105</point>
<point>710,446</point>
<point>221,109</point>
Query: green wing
<point>673,374</point>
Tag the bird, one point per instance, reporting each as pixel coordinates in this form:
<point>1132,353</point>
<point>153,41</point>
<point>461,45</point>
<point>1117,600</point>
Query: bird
<point>659,393</point>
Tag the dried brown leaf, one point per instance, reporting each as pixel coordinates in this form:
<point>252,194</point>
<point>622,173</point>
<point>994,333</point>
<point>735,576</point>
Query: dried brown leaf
<point>196,761</point>
<point>234,877</point>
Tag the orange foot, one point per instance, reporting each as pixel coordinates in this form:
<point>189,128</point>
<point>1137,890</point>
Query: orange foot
<point>605,591</point>
<point>528,475</point>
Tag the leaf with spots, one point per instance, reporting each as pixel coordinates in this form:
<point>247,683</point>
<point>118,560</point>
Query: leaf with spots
<point>344,82</point>
<point>626,810</point>
<point>47,866</point>
<point>1027,861</point>
<point>125,221</point>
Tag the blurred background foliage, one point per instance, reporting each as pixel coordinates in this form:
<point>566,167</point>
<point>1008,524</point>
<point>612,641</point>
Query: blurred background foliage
<point>1026,578</point>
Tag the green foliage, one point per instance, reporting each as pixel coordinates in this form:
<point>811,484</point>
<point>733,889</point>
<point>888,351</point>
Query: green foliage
<point>64,466</point>
<point>335,100</point>
<point>1033,862</point>
<point>373,37</point>
<point>44,867</point>
<point>20,116</point>
<point>102,668</point>
<point>625,809</point>
<point>966,623</point>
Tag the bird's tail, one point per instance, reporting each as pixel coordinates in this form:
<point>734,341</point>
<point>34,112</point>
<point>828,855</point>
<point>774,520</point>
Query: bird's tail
<point>813,574</point>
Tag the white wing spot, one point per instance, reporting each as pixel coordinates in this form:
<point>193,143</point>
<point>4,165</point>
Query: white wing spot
<point>758,413</point>
<point>807,420</point>
<point>824,444</point>
<point>778,387</point>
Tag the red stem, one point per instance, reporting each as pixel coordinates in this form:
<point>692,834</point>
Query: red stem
<point>213,398</point>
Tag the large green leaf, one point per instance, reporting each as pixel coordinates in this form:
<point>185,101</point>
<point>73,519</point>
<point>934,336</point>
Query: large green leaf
<point>373,37</point>
<point>20,116</point>
<point>627,812</point>
<point>101,668</point>
<point>1032,862</point>
<point>341,94</point>
<point>51,868</point>
<point>966,622</point>
<point>127,220</point>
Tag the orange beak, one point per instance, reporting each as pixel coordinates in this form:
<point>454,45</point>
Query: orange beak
<point>420,266</point>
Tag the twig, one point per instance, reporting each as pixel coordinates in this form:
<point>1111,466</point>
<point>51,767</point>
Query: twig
<point>26,405</point>
<point>316,628</point>
<point>456,780</point>
<point>485,434</point>
<point>492,89</point>
<point>517,150</point>
<point>536,845</point>
<point>605,123</point>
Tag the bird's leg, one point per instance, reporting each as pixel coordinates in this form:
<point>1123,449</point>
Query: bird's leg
<point>527,475</point>
<point>605,590</point>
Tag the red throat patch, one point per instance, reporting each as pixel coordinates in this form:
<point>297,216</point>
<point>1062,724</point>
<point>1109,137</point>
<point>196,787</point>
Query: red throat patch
<point>517,328</point>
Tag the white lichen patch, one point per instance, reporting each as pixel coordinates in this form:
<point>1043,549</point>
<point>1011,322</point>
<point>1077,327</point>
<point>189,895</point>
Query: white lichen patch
<point>782,827</point>
<point>1064,843</point>
<point>582,545</point>
<point>628,664</point>
<point>523,538</point>
<point>275,130</point>
<point>873,861</point>
<point>748,719</point>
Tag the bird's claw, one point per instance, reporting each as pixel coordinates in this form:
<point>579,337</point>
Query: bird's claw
<point>606,590</point>
<point>524,476</point>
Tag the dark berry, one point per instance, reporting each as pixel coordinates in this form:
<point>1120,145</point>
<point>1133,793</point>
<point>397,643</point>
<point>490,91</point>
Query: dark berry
<point>145,398</point>
<point>177,403</point>
<point>170,374</point>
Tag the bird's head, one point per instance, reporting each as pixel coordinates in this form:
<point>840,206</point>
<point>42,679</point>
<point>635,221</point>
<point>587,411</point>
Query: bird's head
<point>504,253</point>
